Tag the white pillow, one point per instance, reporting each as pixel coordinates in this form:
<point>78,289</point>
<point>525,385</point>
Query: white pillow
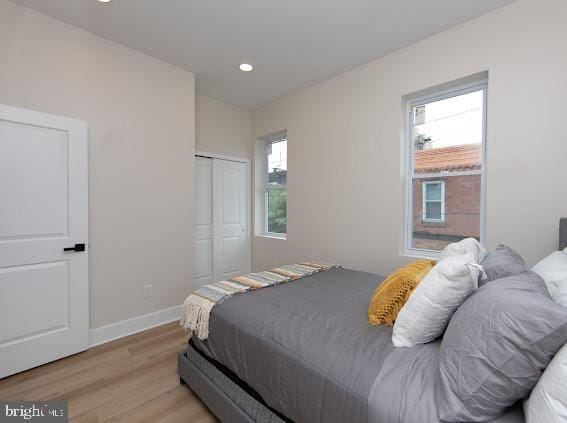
<point>553,270</point>
<point>548,401</point>
<point>464,246</point>
<point>428,310</point>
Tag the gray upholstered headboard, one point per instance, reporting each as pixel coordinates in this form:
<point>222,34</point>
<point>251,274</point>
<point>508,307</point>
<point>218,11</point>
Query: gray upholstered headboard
<point>563,233</point>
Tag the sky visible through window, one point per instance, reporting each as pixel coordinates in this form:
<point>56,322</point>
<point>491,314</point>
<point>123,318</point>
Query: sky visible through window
<point>453,121</point>
<point>278,158</point>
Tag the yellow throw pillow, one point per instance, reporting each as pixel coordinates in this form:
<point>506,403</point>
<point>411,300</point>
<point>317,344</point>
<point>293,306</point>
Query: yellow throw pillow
<point>389,298</point>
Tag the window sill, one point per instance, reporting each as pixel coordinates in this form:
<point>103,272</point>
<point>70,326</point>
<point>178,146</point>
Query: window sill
<point>273,236</point>
<point>434,224</point>
<point>422,254</point>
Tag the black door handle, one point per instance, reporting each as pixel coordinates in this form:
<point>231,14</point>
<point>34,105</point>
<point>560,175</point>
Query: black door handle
<point>77,247</point>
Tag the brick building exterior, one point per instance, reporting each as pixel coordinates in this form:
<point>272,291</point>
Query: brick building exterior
<point>461,195</point>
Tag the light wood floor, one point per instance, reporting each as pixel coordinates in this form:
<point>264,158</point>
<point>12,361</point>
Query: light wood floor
<point>133,379</point>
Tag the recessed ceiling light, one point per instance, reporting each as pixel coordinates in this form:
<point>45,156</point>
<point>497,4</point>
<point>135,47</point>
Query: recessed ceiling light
<point>105,1</point>
<point>246,67</point>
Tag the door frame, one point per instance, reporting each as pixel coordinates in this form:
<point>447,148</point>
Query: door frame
<point>248,163</point>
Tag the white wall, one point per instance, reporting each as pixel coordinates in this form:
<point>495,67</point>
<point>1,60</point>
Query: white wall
<point>345,190</point>
<point>141,116</point>
<point>223,128</point>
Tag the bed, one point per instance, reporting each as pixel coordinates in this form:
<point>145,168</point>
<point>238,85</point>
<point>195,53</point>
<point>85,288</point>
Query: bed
<point>304,352</point>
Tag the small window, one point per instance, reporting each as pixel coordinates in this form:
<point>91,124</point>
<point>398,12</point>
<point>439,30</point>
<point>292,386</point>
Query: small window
<point>446,132</point>
<point>433,201</point>
<point>276,186</point>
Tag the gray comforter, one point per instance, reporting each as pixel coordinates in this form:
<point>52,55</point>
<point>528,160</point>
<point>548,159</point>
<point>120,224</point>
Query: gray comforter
<point>307,348</point>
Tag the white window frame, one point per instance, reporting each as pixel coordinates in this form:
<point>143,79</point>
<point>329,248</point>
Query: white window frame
<point>452,89</point>
<point>424,217</point>
<point>268,187</point>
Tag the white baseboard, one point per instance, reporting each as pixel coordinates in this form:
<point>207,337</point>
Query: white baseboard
<point>134,325</point>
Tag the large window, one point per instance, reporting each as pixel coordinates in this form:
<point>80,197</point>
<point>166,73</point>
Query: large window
<point>445,161</point>
<point>276,186</point>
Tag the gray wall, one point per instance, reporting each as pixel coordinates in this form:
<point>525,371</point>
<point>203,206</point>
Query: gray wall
<point>141,115</point>
<point>345,188</point>
<point>222,128</point>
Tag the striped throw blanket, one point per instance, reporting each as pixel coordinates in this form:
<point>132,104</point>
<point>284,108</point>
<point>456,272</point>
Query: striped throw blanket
<point>198,305</point>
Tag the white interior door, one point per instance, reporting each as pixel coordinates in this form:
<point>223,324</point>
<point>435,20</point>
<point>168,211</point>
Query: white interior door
<point>44,303</point>
<point>222,213</point>
<point>231,250</point>
<point>203,220</point>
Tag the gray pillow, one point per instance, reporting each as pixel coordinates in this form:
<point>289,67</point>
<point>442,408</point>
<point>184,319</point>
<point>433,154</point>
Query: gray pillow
<point>496,347</point>
<point>535,281</point>
<point>501,263</point>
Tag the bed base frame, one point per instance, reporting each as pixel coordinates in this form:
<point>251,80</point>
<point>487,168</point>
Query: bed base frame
<point>223,393</point>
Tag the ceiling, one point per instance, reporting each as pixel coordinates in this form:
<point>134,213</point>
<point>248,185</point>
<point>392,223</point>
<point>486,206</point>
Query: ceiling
<point>292,43</point>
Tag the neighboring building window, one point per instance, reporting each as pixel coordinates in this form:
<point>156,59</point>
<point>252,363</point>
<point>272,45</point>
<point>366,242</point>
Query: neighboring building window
<point>276,186</point>
<point>445,162</point>
<point>433,201</point>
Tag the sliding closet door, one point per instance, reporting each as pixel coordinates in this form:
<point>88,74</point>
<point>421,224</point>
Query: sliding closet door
<point>203,220</point>
<point>222,241</point>
<point>230,200</point>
